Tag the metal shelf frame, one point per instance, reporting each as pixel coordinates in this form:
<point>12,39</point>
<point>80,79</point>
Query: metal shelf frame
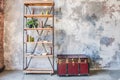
<point>26,61</point>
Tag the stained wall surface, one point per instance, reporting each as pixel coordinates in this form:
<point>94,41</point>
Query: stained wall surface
<point>1,34</point>
<point>90,27</point>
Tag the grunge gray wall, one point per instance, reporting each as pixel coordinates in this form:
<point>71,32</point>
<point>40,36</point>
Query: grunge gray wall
<point>90,27</point>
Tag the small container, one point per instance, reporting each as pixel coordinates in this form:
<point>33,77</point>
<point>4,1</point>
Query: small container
<point>27,38</point>
<point>47,12</point>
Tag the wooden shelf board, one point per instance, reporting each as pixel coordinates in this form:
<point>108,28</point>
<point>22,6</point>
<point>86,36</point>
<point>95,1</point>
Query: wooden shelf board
<point>38,15</point>
<point>38,28</point>
<point>38,71</point>
<point>39,3</point>
<point>40,42</point>
<point>39,56</point>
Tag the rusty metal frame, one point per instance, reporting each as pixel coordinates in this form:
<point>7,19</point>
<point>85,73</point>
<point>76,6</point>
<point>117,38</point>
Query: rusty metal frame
<point>27,62</point>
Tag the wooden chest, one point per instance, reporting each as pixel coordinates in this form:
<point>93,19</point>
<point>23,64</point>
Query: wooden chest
<point>72,64</point>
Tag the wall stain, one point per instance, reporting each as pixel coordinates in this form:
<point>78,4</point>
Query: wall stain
<point>91,19</point>
<point>106,41</point>
<point>60,41</point>
<point>101,29</point>
<point>115,62</point>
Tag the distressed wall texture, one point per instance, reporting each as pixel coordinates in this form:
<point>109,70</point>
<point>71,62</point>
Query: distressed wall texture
<point>13,34</point>
<point>1,34</point>
<point>81,27</point>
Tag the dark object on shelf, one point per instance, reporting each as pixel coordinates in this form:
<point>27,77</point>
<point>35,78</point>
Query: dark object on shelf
<point>76,64</point>
<point>30,38</point>
<point>32,23</point>
<point>48,26</point>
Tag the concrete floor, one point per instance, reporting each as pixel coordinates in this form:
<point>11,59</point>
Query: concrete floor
<point>95,75</point>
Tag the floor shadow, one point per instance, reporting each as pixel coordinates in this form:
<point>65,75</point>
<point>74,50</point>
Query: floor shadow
<point>96,72</point>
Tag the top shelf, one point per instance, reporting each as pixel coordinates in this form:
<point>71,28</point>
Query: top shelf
<point>39,3</point>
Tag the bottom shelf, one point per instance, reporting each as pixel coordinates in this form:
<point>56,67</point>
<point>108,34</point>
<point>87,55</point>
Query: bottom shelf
<point>43,71</point>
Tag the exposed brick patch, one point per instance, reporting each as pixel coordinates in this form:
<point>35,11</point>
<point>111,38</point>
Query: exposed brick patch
<point>1,35</point>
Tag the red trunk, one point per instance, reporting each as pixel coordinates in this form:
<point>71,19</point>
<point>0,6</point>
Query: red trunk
<point>73,67</point>
<point>62,67</point>
<point>84,67</point>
